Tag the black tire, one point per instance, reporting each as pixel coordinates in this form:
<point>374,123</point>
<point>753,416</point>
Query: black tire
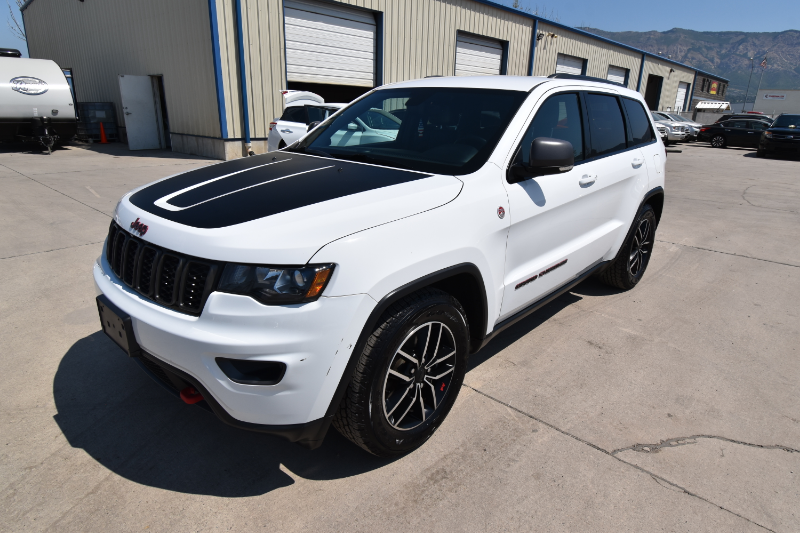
<point>623,272</point>
<point>362,416</point>
<point>761,153</point>
<point>718,141</point>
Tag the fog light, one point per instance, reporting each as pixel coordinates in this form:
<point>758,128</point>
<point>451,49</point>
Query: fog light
<point>250,372</point>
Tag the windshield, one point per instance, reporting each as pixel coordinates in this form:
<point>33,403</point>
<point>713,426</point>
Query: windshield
<point>787,121</point>
<point>677,118</point>
<point>440,130</point>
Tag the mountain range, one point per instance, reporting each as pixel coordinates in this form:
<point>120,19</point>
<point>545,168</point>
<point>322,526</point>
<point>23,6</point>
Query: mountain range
<point>726,54</point>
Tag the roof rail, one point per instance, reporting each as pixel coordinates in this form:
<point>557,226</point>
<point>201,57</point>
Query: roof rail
<point>562,76</point>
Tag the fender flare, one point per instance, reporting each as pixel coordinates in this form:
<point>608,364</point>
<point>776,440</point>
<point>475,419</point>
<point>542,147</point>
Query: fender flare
<point>384,304</point>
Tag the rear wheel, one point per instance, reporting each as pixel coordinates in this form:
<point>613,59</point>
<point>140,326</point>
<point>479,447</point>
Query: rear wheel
<point>718,141</point>
<point>627,269</point>
<point>408,376</point>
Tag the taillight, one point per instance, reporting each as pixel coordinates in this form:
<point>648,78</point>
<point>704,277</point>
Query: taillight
<point>272,125</point>
<point>704,129</point>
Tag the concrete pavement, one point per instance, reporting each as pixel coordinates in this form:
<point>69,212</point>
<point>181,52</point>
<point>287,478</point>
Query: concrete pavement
<point>673,407</point>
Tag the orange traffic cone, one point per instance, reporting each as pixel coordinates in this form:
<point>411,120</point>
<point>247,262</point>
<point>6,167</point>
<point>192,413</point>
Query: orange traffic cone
<point>103,139</point>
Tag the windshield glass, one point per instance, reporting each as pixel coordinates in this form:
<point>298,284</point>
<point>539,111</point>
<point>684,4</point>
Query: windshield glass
<point>440,130</point>
<point>677,118</point>
<point>787,121</point>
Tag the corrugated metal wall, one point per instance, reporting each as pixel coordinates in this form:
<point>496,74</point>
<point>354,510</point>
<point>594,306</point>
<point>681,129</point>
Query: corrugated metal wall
<point>264,59</point>
<point>419,40</point>
<point>669,89</point>
<point>100,39</point>
<point>598,53</point>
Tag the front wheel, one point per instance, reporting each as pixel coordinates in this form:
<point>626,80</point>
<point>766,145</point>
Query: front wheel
<point>408,375</point>
<point>761,153</point>
<point>627,269</point>
<point>718,141</point>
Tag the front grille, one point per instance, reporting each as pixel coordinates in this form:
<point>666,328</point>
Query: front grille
<point>180,282</point>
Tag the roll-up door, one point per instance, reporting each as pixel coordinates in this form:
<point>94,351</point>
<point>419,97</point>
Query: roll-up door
<point>617,74</point>
<point>680,99</point>
<point>569,64</point>
<point>477,57</point>
<point>327,43</point>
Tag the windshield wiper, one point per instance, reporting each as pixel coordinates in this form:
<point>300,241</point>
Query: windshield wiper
<point>305,150</point>
<point>366,158</point>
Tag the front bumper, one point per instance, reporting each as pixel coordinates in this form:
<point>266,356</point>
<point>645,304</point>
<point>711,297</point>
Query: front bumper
<point>675,136</point>
<point>314,340</point>
<point>784,146</point>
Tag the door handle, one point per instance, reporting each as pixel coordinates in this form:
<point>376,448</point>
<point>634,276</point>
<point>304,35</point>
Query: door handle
<point>586,180</point>
<point>637,162</point>
<point>286,131</point>
<point>127,112</point>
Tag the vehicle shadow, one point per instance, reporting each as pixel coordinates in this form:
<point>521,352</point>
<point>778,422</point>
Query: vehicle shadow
<point>522,328</point>
<point>109,408</point>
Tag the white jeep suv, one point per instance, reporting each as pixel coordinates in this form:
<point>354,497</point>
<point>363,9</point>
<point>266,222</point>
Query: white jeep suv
<point>346,283</point>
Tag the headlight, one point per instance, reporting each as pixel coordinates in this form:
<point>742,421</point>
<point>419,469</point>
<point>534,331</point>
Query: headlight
<point>768,135</point>
<point>276,285</point>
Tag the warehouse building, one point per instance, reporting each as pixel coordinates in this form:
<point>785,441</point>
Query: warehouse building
<point>204,76</point>
<point>776,101</point>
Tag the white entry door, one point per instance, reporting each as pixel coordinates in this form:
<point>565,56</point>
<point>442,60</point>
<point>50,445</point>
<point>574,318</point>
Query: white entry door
<point>139,110</point>
<point>680,99</point>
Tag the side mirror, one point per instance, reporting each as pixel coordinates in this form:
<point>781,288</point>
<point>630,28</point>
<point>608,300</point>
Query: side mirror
<point>547,156</point>
<point>313,125</point>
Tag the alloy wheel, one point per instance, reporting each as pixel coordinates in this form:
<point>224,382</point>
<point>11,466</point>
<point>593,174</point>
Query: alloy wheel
<point>419,376</point>
<point>641,246</point>
<point>718,141</point>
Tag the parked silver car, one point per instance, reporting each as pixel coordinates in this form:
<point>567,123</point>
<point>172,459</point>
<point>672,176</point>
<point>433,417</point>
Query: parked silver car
<point>676,131</point>
<point>694,127</point>
<point>301,109</point>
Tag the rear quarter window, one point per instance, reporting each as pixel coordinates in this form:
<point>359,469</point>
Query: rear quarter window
<point>294,114</point>
<point>638,122</point>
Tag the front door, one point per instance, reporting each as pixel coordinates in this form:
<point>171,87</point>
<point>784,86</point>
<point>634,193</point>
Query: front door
<point>754,130</point>
<point>547,213</point>
<point>736,132</point>
<point>140,112</point>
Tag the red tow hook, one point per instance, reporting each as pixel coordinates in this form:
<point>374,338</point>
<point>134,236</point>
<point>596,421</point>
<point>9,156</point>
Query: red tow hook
<point>190,395</point>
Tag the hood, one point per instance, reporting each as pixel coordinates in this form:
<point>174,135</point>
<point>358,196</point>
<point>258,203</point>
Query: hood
<point>786,131</point>
<point>277,208</point>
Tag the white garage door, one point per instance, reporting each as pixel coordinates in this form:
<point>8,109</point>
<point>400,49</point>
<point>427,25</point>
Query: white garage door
<point>617,74</point>
<point>477,57</point>
<point>569,64</point>
<point>680,100</point>
<point>326,43</point>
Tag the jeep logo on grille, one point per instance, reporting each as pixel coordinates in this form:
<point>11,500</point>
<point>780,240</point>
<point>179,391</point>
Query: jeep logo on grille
<point>28,85</point>
<point>138,227</point>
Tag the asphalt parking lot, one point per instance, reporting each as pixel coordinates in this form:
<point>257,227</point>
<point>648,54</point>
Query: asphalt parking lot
<point>673,407</point>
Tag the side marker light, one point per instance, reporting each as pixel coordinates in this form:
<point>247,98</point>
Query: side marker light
<point>320,279</point>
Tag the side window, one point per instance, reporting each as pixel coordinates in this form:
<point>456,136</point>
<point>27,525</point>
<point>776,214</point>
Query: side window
<point>737,124</point>
<point>559,117</point>
<point>758,125</point>
<point>639,123</point>
<point>606,127</point>
<point>294,114</point>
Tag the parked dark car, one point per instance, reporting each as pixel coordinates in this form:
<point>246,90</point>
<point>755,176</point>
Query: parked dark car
<point>745,116</point>
<point>782,137</point>
<point>737,132</point>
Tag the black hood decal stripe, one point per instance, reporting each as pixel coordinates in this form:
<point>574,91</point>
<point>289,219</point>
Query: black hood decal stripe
<point>256,187</point>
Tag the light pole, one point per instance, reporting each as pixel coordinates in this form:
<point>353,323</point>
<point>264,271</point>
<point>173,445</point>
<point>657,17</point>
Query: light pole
<point>763,68</point>
<point>744,107</point>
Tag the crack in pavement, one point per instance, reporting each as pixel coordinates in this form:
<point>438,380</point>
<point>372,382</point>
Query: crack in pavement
<point>761,206</point>
<point>656,477</point>
<point>728,253</point>
<point>56,190</point>
<point>683,441</point>
<point>53,250</point>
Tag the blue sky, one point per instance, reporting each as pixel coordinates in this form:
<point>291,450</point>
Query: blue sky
<point>627,15</point>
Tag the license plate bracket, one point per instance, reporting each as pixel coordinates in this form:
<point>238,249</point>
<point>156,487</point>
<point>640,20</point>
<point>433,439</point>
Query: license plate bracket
<point>118,326</point>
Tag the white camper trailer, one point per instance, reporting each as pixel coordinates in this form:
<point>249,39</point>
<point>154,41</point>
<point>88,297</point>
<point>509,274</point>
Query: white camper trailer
<point>36,103</point>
